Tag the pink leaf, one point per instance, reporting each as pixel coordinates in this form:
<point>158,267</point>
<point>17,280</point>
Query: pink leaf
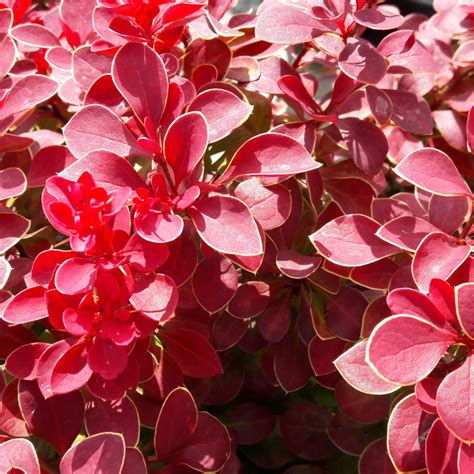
<point>103,452</point>
<point>108,170</point>
<point>407,430</point>
<point>269,205</point>
<point>12,183</point>
<point>361,61</point>
<point>22,363</point>
<point>283,24</point>
<point>464,308</point>
<point>106,358</point>
<point>28,92</point>
<point>433,171</point>
<point>354,369</point>
<point>176,422</point>
<point>470,129</point>
<point>410,112</point>
<point>18,455</point>
<point>185,143</point>
<point>192,352</point>
<point>404,349</point>
<point>297,266</point>
<point>140,76</point>
<point>379,17</point>
<point>269,154</point>
<point>351,241</point>
<point>455,402</point>
<point>406,232</point>
<point>214,282</point>
<point>95,127</point>
<point>76,275</point>
<point>158,228</point>
<point>379,103</point>
<point>208,448</point>
<point>26,306</point>
<point>442,449</point>
<point>426,266</point>
<point>226,225</point>
<point>466,458</point>
<point>224,111</point>
<point>88,66</point>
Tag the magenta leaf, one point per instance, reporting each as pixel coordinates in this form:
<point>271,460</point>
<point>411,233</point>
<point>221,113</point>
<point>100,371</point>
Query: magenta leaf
<point>442,449</point>
<point>140,76</point>
<point>22,363</point>
<point>103,452</point>
<point>12,183</point>
<point>225,224</point>
<point>75,276</point>
<point>404,349</point>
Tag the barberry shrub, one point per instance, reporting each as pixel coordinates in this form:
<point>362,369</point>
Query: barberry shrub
<point>236,242</point>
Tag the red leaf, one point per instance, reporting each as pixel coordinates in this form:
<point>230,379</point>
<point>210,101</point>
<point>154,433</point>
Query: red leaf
<point>224,111</point>
<point>375,460</point>
<point>106,358</point>
<point>185,143</point>
<point>351,241</point>
<point>297,266</point>
<point>226,225</point>
<point>464,308</point>
<point>49,161</point>
<point>208,447</point>
<point>405,349</point>
<point>194,355</point>
<point>118,416</point>
<point>276,320</point>
<point>11,419</point>
<point>176,423</point>
<point>433,171</point>
<point>103,452</point>
<point>214,282</point>
<point>269,154</point>
<point>57,420</point>
<point>134,462</point>
<point>466,458</point>
<point>454,401</point>
<point>250,299</point>
<point>140,76</point>
<point>304,430</point>
<point>95,127</point>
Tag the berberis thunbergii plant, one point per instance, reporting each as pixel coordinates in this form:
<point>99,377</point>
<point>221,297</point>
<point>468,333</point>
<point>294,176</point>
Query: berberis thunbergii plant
<point>236,243</point>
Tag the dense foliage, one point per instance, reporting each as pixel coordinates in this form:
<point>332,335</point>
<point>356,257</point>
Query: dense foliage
<point>236,243</point>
